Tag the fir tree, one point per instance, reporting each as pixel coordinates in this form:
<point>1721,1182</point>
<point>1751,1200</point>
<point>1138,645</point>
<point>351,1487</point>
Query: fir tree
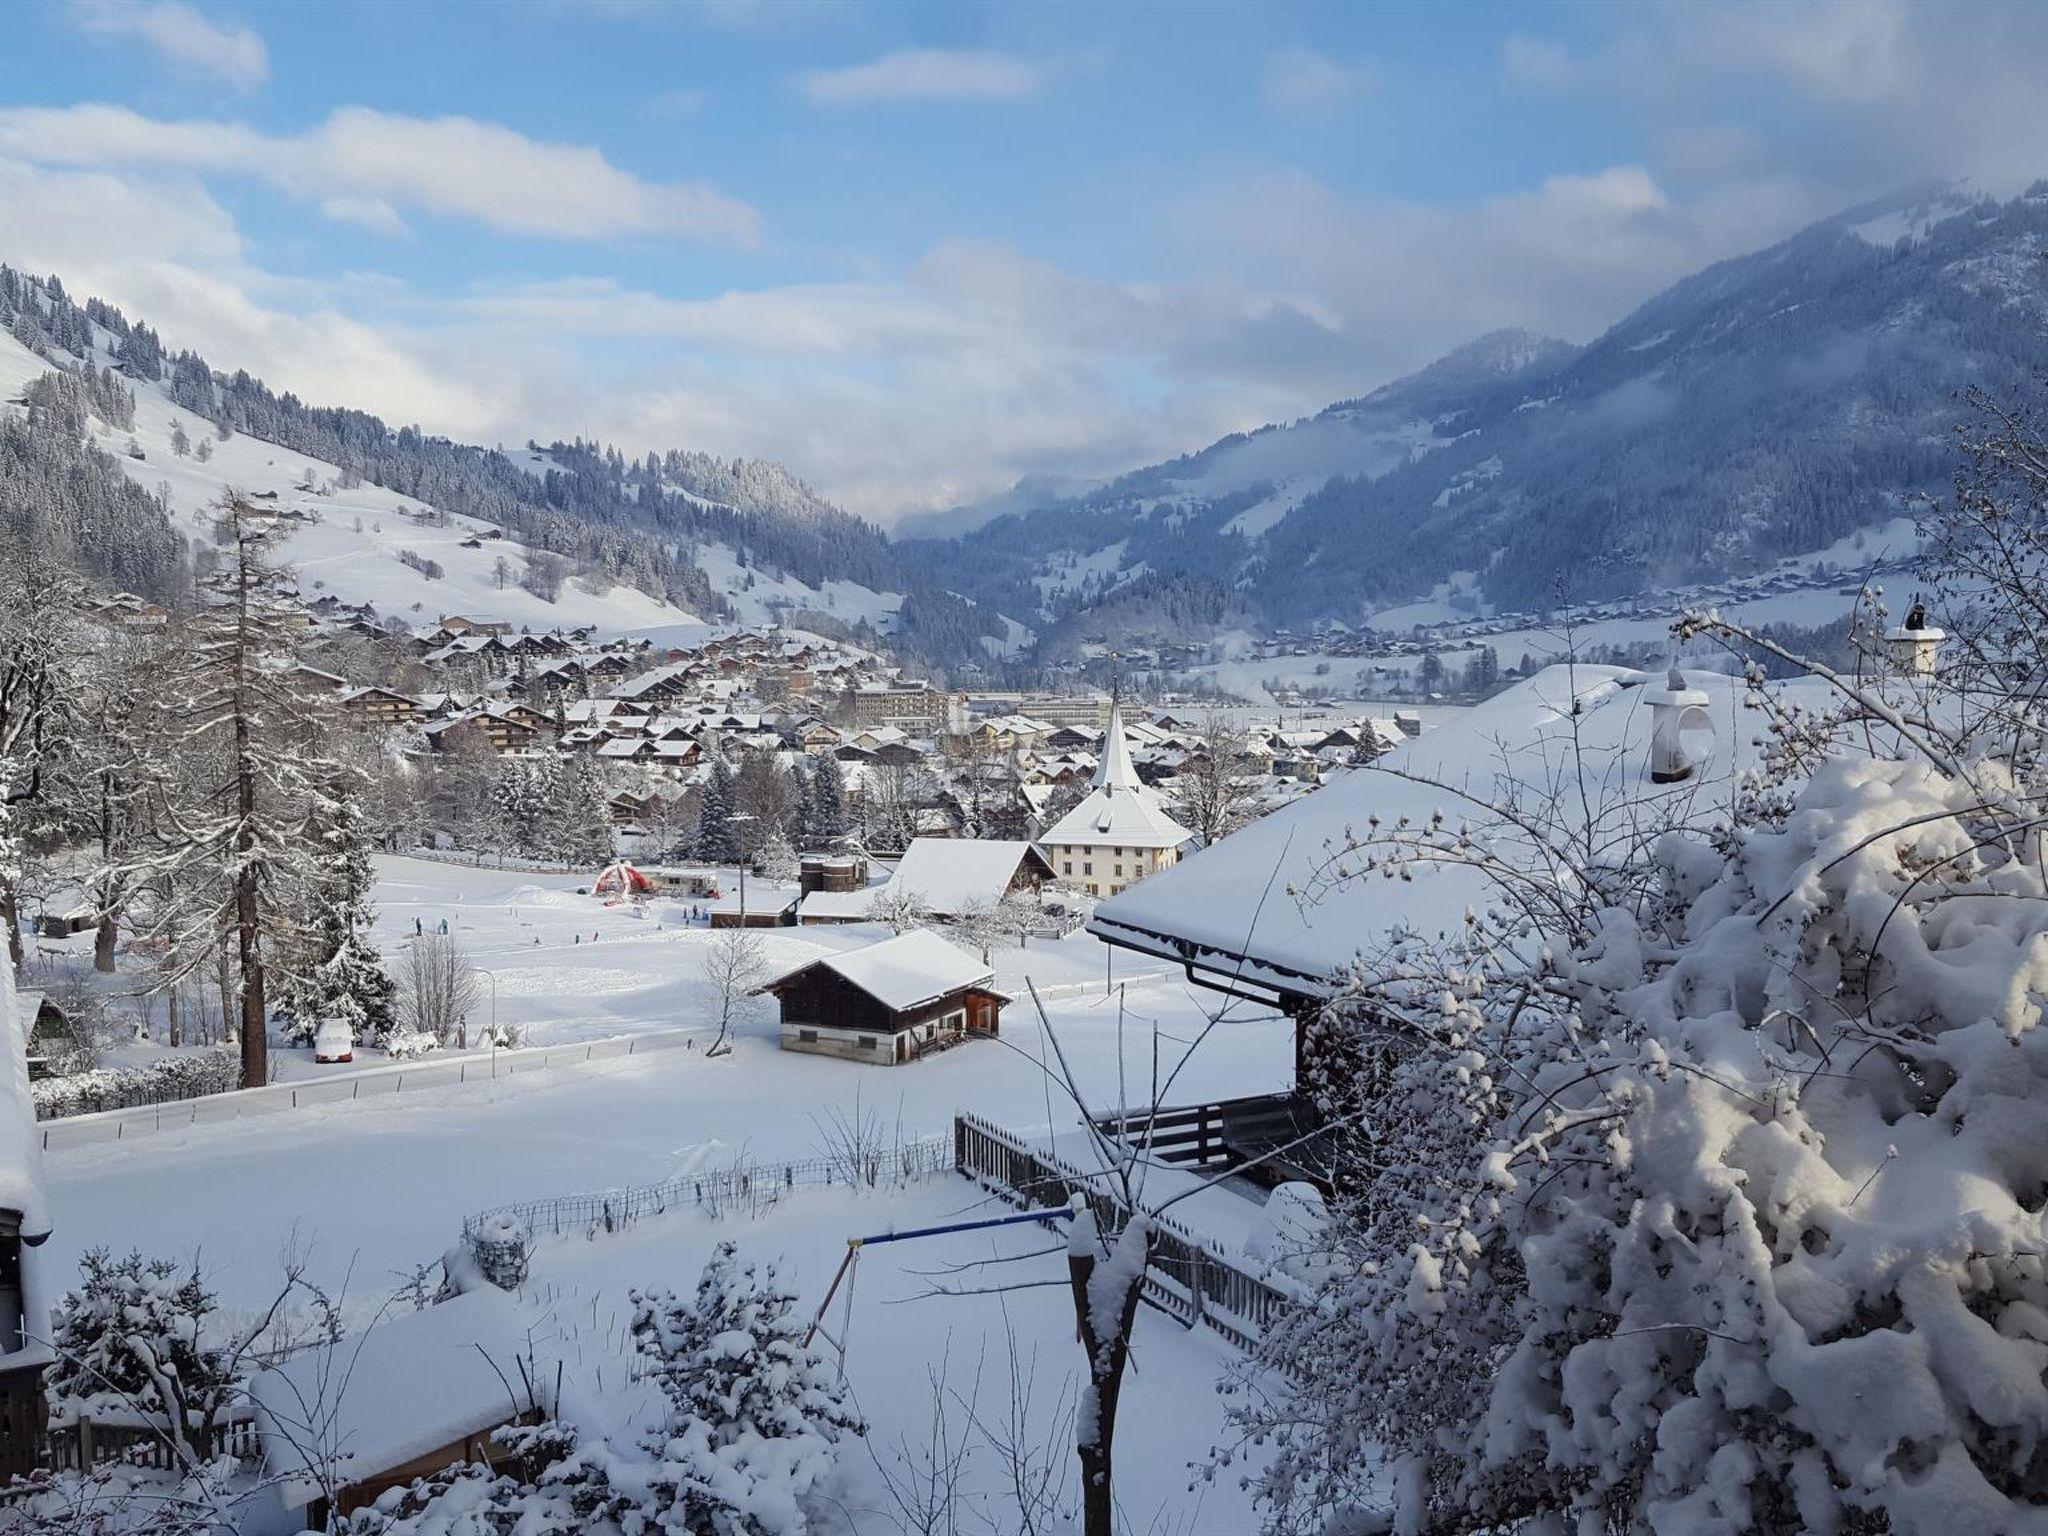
<point>716,842</point>
<point>739,1378</point>
<point>825,814</point>
<point>341,975</point>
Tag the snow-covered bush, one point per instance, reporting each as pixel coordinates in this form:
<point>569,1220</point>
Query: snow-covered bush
<point>131,1340</point>
<point>755,1415</point>
<point>187,1075</point>
<point>409,1044</point>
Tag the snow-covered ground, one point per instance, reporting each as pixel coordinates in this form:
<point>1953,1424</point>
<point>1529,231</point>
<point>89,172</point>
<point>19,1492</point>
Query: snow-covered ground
<point>372,1189</point>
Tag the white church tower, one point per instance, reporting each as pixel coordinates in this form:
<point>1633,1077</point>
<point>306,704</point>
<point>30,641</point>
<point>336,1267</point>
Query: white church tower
<point>1120,833</point>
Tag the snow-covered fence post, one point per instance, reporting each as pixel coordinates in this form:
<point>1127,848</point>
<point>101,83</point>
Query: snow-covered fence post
<point>1106,1292</point>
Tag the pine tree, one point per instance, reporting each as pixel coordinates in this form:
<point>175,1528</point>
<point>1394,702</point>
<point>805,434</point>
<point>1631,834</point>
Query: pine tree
<point>825,817</point>
<point>739,1379</point>
<point>716,843</point>
<point>252,784</point>
<point>340,974</point>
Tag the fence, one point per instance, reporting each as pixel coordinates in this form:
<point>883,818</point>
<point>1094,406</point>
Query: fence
<point>1187,1279</point>
<point>749,1186</point>
<point>374,1082</point>
<point>79,1445</point>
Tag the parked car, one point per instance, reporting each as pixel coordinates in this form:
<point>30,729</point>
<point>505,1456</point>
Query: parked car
<point>334,1041</point>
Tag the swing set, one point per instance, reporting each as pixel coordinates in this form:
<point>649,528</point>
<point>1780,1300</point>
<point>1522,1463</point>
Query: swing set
<point>850,1265</point>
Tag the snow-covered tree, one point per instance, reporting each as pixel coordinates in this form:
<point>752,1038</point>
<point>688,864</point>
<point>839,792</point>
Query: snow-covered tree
<point>716,843</point>
<point>735,962</point>
<point>825,814</point>
<point>235,823</point>
<point>336,971</point>
<point>777,859</point>
<point>755,1415</point>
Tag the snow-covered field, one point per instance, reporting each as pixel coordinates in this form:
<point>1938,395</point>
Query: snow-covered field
<point>372,1189</point>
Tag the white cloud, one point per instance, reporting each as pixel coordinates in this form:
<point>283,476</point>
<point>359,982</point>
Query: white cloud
<point>1539,61</point>
<point>180,35</point>
<point>1301,80</point>
<point>924,74</point>
<point>360,159</point>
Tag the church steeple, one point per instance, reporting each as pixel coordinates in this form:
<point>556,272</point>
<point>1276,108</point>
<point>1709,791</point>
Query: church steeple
<point>1115,771</point>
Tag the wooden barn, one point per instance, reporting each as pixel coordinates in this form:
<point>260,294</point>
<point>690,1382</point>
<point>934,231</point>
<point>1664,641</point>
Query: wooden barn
<point>887,1003</point>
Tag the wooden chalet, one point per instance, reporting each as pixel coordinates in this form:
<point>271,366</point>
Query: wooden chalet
<point>380,706</point>
<point>887,1003</point>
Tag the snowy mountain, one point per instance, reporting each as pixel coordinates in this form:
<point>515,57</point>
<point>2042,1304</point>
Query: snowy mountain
<point>423,526</point>
<point>1768,407</point>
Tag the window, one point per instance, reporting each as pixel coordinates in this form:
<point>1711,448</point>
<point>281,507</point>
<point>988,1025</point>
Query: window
<point>1066,866</point>
<point>1088,869</point>
<point>807,1036</point>
<point>866,1042</point>
<point>1119,871</point>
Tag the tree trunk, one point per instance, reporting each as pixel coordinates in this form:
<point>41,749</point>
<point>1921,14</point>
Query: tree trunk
<point>227,994</point>
<point>248,903</point>
<point>10,914</point>
<point>103,940</point>
<point>1106,1361</point>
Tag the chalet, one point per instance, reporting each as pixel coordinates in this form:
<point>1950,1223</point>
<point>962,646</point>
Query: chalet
<point>1263,915</point>
<point>952,876</point>
<point>425,1391</point>
<point>1120,833</point>
<point>24,1225</point>
<point>380,706</point>
<point>887,1003</point>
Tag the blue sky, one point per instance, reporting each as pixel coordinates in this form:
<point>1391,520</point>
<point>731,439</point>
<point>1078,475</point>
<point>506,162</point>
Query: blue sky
<point>919,250</point>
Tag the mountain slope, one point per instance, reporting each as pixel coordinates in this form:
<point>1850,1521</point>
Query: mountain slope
<point>1766,407</point>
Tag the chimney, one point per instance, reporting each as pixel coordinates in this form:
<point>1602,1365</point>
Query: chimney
<point>1915,645</point>
<point>1674,708</point>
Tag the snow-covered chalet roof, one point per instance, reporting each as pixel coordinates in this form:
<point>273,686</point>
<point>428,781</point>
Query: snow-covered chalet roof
<point>902,973</point>
<point>408,1386</point>
<point>1262,906</point>
<point>952,874</point>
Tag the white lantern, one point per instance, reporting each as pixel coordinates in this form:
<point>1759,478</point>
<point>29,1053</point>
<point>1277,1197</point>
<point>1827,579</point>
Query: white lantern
<point>1675,709</point>
<point>1915,645</point>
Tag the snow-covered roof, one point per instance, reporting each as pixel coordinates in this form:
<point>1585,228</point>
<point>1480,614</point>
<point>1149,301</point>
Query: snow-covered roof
<point>841,905</point>
<point>902,973</point>
<point>1262,905</point>
<point>409,1385</point>
<point>951,874</point>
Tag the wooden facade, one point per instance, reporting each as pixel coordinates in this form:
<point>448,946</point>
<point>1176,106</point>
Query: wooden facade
<point>824,1013</point>
<point>23,1410</point>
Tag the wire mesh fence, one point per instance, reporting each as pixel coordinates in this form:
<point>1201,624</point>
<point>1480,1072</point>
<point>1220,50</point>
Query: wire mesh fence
<point>740,1187</point>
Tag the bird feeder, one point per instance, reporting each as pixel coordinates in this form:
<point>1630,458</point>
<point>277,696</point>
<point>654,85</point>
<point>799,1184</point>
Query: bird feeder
<point>1675,708</point>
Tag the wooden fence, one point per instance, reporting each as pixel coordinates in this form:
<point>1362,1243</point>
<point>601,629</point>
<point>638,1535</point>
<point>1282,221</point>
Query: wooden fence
<point>1187,1278</point>
<point>80,1445</point>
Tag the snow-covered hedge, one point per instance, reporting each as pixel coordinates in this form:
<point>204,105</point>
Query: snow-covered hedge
<point>189,1076</point>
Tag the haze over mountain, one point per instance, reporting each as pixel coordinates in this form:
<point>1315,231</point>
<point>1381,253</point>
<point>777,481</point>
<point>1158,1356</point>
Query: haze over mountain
<point>1761,408</point>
